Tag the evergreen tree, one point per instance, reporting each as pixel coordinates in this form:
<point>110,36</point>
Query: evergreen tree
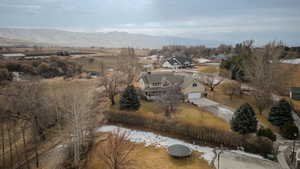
<point>281,113</point>
<point>244,120</point>
<point>129,99</point>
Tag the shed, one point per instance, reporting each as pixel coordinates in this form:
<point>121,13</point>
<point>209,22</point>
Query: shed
<point>295,93</point>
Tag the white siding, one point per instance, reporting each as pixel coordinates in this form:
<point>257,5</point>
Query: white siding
<point>166,64</point>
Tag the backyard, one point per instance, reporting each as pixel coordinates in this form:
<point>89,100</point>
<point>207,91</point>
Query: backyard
<point>150,158</point>
<point>186,113</point>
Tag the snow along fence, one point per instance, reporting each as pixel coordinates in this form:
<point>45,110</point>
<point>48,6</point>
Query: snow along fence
<point>195,134</point>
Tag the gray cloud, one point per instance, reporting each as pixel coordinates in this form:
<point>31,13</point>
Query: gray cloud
<point>229,20</point>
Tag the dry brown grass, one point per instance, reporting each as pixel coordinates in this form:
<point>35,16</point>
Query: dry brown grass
<point>152,158</point>
<point>207,69</point>
<point>185,113</point>
<point>236,101</point>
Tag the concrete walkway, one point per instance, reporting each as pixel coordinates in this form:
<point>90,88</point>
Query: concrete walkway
<point>215,108</point>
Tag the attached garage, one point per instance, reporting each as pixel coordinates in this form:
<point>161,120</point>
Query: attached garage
<point>195,95</point>
<point>295,93</point>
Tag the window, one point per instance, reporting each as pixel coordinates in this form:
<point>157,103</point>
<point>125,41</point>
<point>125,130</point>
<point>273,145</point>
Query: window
<point>155,84</point>
<point>195,85</point>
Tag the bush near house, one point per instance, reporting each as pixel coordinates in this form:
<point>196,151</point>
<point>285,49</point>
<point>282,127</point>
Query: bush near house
<point>281,113</point>
<point>262,132</point>
<point>289,131</point>
<point>244,120</point>
<point>196,134</point>
<point>129,99</point>
<point>5,75</point>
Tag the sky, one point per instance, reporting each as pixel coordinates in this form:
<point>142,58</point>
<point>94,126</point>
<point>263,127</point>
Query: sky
<point>229,21</point>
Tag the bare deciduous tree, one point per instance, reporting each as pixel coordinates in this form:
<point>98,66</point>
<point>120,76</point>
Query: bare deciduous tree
<point>212,80</point>
<point>171,98</point>
<point>116,151</point>
<point>28,102</point>
<point>111,83</point>
<point>232,88</point>
<point>265,73</point>
<point>75,103</point>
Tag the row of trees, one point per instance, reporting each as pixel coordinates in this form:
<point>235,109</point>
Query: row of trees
<point>47,68</point>
<point>32,108</point>
<point>244,120</point>
<point>192,51</point>
<point>125,71</point>
<point>261,69</point>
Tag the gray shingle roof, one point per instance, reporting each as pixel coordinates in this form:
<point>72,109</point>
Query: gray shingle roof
<point>179,60</point>
<point>158,77</point>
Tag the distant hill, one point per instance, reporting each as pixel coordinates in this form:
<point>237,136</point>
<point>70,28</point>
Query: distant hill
<point>18,42</point>
<point>97,39</point>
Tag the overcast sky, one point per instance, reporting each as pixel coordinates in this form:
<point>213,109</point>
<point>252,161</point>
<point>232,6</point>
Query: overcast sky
<point>224,20</point>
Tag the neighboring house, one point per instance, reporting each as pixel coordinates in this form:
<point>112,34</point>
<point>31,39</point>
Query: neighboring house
<point>155,84</point>
<point>13,55</point>
<point>203,60</point>
<point>295,93</point>
<point>177,62</point>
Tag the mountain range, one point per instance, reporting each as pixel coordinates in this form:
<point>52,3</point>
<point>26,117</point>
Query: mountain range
<point>53,37</point>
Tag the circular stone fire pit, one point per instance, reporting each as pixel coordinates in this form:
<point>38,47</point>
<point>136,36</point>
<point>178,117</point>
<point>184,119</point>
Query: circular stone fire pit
<point>179,151</point>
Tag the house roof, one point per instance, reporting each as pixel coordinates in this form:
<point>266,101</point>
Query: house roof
<point>158,77</point>
<point>178,60</point>
<point>188,80</point>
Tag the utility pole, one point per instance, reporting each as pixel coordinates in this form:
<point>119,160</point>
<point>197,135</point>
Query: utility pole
<point>219,152</point>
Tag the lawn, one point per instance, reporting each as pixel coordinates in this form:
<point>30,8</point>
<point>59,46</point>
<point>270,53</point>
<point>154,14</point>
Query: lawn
<point>236,101</point>
<point>151,158</point>
<point>185,113</point>
<point>207,69</point>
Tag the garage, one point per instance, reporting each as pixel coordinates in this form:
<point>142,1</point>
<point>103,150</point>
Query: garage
<point>192,96</point>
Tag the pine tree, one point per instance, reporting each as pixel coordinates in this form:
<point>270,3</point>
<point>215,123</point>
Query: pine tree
<point>244,120</point>
<point>281,113</point>
<point>129,99</point>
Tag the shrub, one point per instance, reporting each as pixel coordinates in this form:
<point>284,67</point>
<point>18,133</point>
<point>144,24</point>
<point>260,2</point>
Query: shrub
<point>266,133</point>
<point>281,113</point>
<point>196,134</point>
<point>5,75</point>
<point>289,131</point>
<point>258,145</point>
<point>244,120</point>
<point>129,99</point>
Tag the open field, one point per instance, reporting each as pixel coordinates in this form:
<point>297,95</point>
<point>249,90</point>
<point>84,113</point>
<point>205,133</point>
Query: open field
<point>186,113</point>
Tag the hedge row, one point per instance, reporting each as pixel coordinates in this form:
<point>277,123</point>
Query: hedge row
<point>197,134</point>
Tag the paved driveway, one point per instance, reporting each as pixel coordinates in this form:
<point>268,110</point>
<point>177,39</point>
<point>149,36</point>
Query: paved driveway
<point>215,108</point>
<point>231,160</point>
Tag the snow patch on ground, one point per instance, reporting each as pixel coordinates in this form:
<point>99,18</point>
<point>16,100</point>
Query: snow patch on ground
<point>291,61</point>
<point>149,138</point>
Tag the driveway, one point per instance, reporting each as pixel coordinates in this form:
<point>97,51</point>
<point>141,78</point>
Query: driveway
<point>232,160</point>
<point>215,108</point>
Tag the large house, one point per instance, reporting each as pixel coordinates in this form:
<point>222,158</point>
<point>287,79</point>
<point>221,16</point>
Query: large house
<point>177,62</point>
<point>155,84</point>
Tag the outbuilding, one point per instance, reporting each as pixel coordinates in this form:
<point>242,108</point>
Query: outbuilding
<point>295,93</point>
